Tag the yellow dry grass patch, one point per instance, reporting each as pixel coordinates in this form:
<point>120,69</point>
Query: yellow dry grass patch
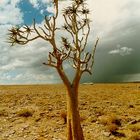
<point>108,111</point>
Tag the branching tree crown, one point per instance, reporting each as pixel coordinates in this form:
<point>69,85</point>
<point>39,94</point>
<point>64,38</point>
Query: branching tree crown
<point>77,25</point>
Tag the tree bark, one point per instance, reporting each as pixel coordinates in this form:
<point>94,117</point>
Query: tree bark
<point>74,129</point>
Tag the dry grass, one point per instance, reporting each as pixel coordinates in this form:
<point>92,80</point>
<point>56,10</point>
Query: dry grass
<point>112,119</point>
<point>3,112</point>
<point>109,111</point>
<point>135,127</point>
<point>135,136</point>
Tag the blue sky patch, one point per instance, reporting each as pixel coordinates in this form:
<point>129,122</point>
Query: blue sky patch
<point>30,12</point>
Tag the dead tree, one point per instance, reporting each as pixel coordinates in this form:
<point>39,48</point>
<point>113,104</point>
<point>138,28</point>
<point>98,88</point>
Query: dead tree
<point>77,25</point>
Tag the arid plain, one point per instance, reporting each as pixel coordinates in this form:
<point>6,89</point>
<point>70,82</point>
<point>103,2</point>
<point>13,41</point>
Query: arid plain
<point>38,112</point>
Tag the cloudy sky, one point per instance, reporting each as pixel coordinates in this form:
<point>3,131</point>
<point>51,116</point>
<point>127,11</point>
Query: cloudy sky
<point>115,22</point>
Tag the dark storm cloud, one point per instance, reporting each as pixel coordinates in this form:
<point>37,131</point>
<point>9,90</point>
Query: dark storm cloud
<point>115,67</point>
<point>116,59</point>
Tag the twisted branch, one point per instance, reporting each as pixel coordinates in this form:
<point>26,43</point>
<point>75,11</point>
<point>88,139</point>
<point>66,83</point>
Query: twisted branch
<point>77,25</point>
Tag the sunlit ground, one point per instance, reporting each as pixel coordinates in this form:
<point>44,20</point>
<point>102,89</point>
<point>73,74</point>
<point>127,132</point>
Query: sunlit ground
<point>108,112</point>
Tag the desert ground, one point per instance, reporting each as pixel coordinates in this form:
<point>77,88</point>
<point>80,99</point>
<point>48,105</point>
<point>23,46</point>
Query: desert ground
<point>38,112</point>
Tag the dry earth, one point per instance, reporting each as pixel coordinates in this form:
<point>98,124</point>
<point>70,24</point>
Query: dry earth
<point>37,112</point>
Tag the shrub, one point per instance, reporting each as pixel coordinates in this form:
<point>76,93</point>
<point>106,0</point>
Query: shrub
<point>3,113</point>
<point>25,113</point>
<point>115,120</point>
<point>112,128</point>
<point>107,120</point>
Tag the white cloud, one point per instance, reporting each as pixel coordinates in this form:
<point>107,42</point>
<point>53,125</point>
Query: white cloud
<point>16,63</point>
<point>105,14</point>
<point>46,1</point>
<point>50,9</point>
<point>27,78</point>
<point>34,77</point>
<point>107,11</point>
<point>121,51</point>
<point>9,13</point>
<point>35,3</point>
<point>42,11</point>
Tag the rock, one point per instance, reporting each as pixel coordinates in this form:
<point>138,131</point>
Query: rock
<point>25,136</point>
<point>131,106</point>
<point>6,135</point>
<point>133,122</point>
<point>50,109</point>
<point>25,126</point>
<point>107,134</point>
<point>12,132</point>
<point>97,122</point>
<point>118,134</point>
<point>93,120</point>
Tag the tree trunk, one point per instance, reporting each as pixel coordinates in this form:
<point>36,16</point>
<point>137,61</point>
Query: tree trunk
<point>74,129</point>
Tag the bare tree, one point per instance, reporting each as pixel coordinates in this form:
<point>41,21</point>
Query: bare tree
<point>77,25</point>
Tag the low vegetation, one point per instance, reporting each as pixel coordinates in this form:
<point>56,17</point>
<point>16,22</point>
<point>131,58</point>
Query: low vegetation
<point>108,112</point>
<point>25,112</point>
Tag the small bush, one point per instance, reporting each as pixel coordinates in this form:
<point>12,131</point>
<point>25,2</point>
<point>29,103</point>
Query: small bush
<point>115,120</point>
<point>112,128</point>
<point>131,106</point>
<point>25,113</point>
<point>3,113</point>
<point>107,120</point>
<point>99,112</point>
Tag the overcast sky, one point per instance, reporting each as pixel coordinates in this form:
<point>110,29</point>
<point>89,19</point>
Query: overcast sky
<point>115,22</point>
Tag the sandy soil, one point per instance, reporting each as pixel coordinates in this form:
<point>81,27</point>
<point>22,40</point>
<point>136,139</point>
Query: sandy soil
<point>108,112</point>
